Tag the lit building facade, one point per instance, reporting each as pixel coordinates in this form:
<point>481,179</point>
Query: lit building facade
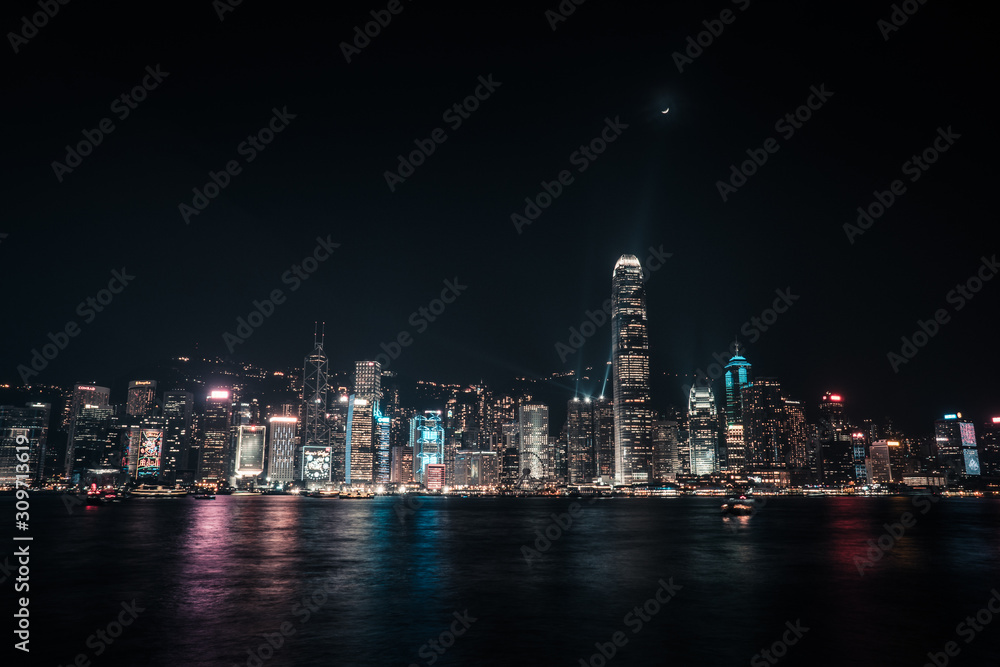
<point>281,451</point>
<point>427,443</point>
<point>533,440</point>
<point>141,398</point>
<point>250,449</point>
<point>630,372</point>
<point>737,379</point>
<point>214,451</point>
<point>703,431</point>
<point>23,431</point>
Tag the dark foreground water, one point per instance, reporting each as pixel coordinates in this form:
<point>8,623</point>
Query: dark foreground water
<point>212,579</point>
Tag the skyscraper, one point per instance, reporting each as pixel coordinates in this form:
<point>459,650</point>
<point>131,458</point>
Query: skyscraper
<point>23,431</point>
<point>141,398</point>
<point>427,441</point>
<point>250,448</point>
<point>836,455</point>
<point>764,425</point>
<point>83,395</point>
<point>315,389</point>
<point>581,441</point>
<point>361,432</point>
<point>178,411</point>
<point>214,450</point>
<point>360,455</point>
<point>630,370</point>
<point>533,440</point>
<point>703,421</point>
<point>604,434</point>
<point>957,449</point>
<point>281,453</point>
<point>737,376</point>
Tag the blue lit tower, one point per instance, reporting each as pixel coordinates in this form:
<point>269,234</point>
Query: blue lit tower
<point>630,368</point>
<point>737,376</point>
<point>427,440</point>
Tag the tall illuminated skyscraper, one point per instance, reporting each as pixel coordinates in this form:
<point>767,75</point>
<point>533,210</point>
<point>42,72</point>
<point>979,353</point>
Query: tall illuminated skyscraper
<point>957,448</point>
<point>315,389</point>
<point>427,441</point>
<point>360,438</point>
<point>581,441</point>
<point>281,452</point>
<point>141,397</point>
<point>178,413</point>
<point>250,449</point>
<point>737,378</point>
<point>214,451</point>
<point>630,370</point>
<point>26,427</point>
<point>83,395</point>
<point>534,440</point>
<point>704,432</point>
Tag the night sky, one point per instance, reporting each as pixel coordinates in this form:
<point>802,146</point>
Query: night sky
<point>655,185</point>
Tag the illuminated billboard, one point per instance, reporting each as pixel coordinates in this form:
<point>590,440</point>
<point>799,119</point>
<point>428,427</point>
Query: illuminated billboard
<point>971,461</point>
<point>316,463</point>
<point>968,432</point>
<point>150,452</point>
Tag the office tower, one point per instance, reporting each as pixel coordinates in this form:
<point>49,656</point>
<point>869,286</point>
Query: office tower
<point>899,460</point>
<point>360,455</point>
<point>93,444</point>
<point>581,441</point>
<point>315,390</point>
<point>797,434</point>
<point>214,449</point>
<point>703,427</point>
<point>143,454</point>
<point>604,439</point>
<point>533,440</point>
<point>383,452</point>
<point>879,470</point>
<point>250,448</point>
<point>427,442</point>
<point>368,380</point>
<point>557,458</point>
<point>957,449</point>
<point>989,447</point>
<point>281,452</point>
<point>141,398</point>
<point>178,412</point>
<point>860,455</point>
<point>23,438</point>
<point>666,458</point>
<point>476,468</point>
<point>434,476</point>
<point>764,423</point>
<point>339,403</point>
<point>83,395</point>
<point>737,377</point>
<point>836,456</point>
<point>361,432</point>
<point>630,371</point>
<point>401,464</point>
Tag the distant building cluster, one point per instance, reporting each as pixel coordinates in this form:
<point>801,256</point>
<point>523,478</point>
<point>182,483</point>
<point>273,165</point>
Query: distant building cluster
<point>313,430</point>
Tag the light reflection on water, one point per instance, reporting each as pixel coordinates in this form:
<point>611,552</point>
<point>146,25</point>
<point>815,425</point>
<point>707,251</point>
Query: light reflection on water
<point>218,577</point>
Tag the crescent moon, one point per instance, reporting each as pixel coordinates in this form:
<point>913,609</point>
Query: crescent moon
<point>665,110</point>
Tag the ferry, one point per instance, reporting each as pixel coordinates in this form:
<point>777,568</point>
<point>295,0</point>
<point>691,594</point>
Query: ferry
<point>741,506</point>
<point>150,491</point>
<point>204,496</point>
<point>355,494</point>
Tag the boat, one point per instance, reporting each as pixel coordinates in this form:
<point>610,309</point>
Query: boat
<point>204,496</point>
<point>741,506</point>
<point>356,494</point>
<point>103,496</point>
<point>150,491</point>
